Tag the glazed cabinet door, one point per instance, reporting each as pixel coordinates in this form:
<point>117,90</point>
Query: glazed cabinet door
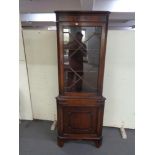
<point>80,54</point>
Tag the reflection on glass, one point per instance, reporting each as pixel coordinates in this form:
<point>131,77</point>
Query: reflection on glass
<point>81,58</point>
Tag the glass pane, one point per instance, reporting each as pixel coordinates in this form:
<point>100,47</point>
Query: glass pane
<point>81,58</point>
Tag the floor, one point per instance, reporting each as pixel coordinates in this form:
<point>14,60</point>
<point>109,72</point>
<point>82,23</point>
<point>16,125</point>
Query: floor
<point>36,138</point>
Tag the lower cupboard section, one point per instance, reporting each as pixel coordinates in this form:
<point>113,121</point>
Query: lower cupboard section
<point>81,121</point>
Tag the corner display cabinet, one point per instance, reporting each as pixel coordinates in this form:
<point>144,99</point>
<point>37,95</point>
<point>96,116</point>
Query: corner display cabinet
<point>81,41</point>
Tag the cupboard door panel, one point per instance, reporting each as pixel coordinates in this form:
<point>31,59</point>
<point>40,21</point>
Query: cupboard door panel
<point>80,119</point>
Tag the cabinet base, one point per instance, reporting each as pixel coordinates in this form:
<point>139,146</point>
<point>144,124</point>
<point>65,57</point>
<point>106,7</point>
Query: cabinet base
<point>62,140</point>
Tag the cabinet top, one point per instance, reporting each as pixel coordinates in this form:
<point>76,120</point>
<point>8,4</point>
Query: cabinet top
<point>84,12</point>
<point>82,16</point>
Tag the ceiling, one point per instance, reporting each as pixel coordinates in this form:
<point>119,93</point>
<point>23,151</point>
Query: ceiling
<point>38,13</point>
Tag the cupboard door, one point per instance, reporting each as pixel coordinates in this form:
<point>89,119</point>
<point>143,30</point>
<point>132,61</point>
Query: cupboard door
<point>80,120</point>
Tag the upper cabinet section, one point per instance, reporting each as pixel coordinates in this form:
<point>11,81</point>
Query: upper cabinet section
<point>81,50</point>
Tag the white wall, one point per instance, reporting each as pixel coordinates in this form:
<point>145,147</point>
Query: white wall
<point>119,79</point>
<point>41,52</point>
<point>25,110</point>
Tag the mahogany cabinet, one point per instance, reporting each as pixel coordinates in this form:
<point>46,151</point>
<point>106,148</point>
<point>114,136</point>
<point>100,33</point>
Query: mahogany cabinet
<point>81,41</point>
